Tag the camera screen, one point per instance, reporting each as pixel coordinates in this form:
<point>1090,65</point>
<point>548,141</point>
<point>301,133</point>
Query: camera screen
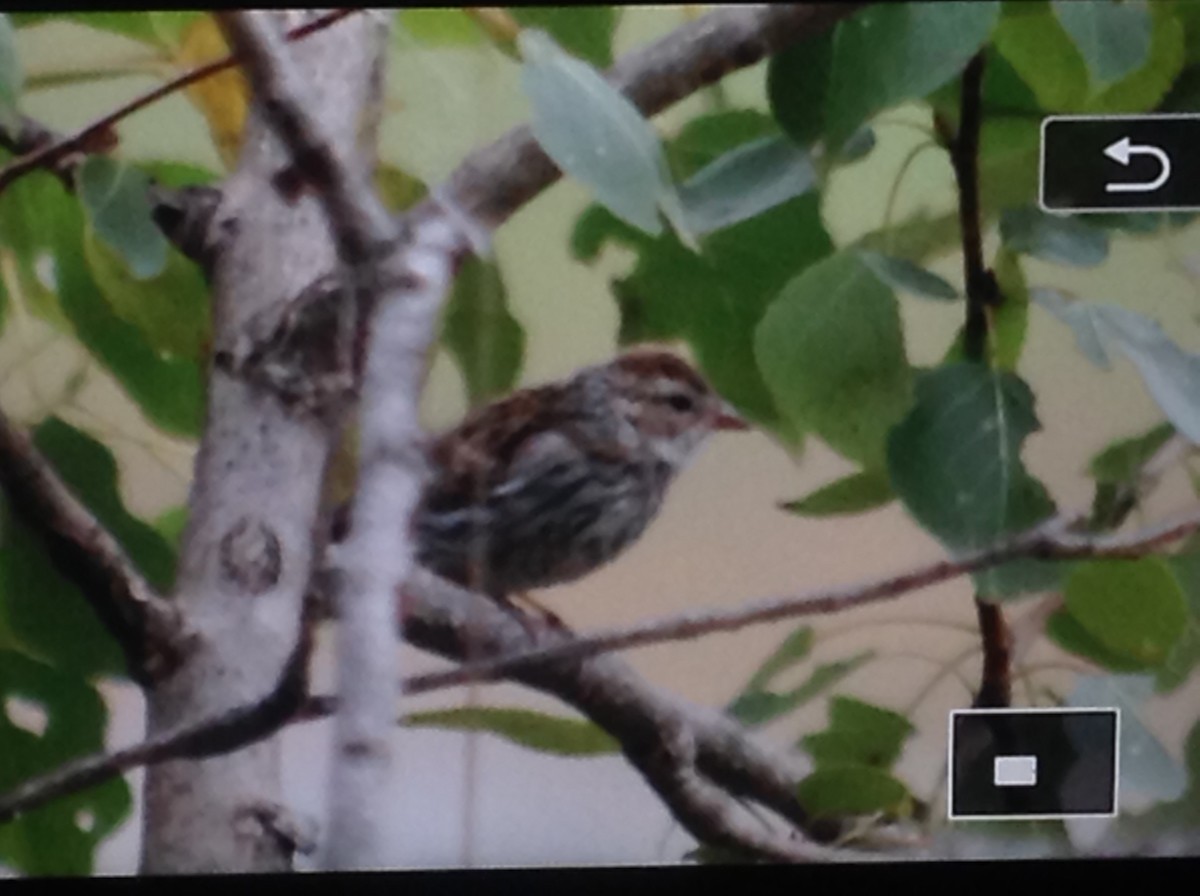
<point>654,435</point>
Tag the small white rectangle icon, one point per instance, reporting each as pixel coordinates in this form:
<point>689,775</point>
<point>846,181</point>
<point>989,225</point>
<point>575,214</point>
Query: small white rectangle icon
<point>1015,771</point>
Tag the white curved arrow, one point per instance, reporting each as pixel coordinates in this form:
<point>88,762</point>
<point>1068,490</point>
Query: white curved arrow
<point>1122,151</point>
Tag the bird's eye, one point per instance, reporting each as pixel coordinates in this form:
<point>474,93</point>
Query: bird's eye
<point>681,402</point>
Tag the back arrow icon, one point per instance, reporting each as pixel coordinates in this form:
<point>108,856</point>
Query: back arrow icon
<point>1121,152</point>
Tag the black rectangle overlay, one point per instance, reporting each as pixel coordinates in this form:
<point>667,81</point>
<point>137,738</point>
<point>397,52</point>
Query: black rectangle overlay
<point>1082,171</point>
<point>1076,761</point>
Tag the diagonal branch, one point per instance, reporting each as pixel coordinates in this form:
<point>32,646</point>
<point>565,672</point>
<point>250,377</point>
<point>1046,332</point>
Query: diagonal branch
<point>41,148</point>
<point>579,671</point>
<point>492,183</point>
<point>223,733</point>
<point>1047,541</point>
<point>147,627</point>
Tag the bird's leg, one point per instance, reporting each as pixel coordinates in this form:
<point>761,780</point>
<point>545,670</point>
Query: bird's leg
<point>548,616</point>
<point>540,619</point>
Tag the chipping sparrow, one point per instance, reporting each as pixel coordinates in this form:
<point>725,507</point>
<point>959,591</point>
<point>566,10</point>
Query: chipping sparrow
<point>548,484</point>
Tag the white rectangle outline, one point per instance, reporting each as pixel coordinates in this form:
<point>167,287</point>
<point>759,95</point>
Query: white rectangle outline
<point>1115,710</point>
<point>1104,209</point>
<point>1008,761</point>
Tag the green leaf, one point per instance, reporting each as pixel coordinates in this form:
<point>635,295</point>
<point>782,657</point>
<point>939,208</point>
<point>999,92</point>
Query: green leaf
<point>798,86</point>
<point>480,332</point>
<point>171,309</point>
<point>1035,44</point>
<point>584,31</point>
<point>955,462</point>
<point>175,174</point>
<point>757,707</point>
<point>1170,374</point>
<point>1052,237</point>
<point>596,135</point>
<point>829,86</point>
<point>745,182</point>
<point>1146,87</point>
<point>1066,631</point>
<point>1113,38</point>
<point>170,524</point>
<point>859,733</point>
<point>118,207</point>
<point>1121,461</point>
<point>398,189</point>
<point>851,789</point>
<point>62,836</point>
<point>855,493</point>
<point>794,649</point>
<point>1185,655</point>
<point>1135,608</point>
<point>904,275</point>
<point>88,468</point>
<point>524,727</point>
<point>1010,321</point>
<point>831,349</point>
<point>1032,39</point>
<point>439,27</point>
<point>168,390</point>
<point>45,615</point>
<point>10,76</point>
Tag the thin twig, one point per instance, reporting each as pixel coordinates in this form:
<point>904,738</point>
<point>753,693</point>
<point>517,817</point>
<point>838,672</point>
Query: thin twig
<point>227,731</point>
<point>1041,542</point>
<point>98,132</point>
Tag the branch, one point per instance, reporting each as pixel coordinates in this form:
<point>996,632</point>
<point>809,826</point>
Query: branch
<point>41,148</point>
<point>446,619</point>
<point>147,627</point>
<point>995,686</point>
<point>223,733</point>
<point>494,182</point>
<point>980,283</point>
<point>1047,541</point>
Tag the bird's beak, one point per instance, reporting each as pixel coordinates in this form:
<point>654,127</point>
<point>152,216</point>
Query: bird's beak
<point>729,419</point>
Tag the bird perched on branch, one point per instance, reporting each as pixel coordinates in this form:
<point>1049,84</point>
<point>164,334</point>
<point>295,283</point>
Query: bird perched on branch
<point>549,483</point>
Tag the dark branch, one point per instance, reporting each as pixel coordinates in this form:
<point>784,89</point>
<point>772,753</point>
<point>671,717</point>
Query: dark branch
<point>147,627</point>
<point>47,150</point>
<point>980,283</point>
<point>224,733</point>
<point>995,686</point>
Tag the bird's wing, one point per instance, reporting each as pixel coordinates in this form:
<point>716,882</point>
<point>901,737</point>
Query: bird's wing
<point>527,434</point>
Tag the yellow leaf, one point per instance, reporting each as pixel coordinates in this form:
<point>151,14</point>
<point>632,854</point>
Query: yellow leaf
<point>223,98</point>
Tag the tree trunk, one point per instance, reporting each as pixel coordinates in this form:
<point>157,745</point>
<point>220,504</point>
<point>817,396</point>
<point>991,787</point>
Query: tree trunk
<point>248,549</point>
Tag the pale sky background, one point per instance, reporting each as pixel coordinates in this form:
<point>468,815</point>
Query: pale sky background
<point>720,539</point>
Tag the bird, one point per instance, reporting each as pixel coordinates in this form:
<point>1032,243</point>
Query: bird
<point>551,482</point>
